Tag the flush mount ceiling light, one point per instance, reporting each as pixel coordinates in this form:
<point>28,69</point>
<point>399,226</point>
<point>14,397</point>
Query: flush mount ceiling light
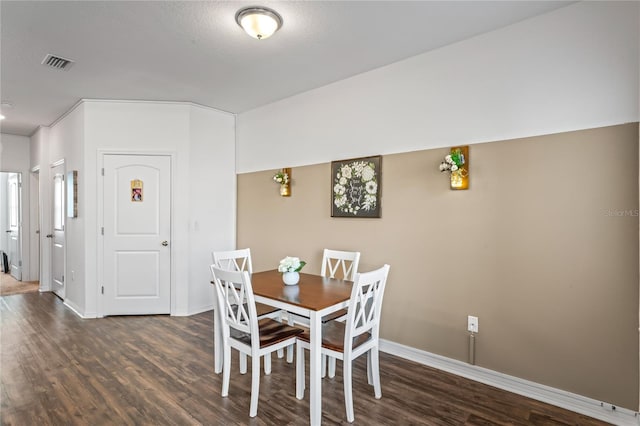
<point>259,22</point>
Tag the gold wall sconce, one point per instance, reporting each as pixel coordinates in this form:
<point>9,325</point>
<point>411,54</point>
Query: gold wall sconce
<point>283,178</point>
<point>456,163</point>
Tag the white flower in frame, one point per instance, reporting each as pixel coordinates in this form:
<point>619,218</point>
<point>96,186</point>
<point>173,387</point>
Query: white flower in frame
<point>371,187</point>
<point>343,181</point>
<point>358,167</point>
<point>340,200</point>
<point>367,173</point>
<point>346,171</point>
<point>369,202</point>
<point>338,189</point>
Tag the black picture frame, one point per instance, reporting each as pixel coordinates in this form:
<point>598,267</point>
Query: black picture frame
<point>356,187</point>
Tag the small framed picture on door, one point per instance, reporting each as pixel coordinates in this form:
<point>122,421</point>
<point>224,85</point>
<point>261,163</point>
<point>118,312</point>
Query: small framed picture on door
<point>136,191</point>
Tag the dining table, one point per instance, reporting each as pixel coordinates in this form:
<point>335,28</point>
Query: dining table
<point>313,297</point>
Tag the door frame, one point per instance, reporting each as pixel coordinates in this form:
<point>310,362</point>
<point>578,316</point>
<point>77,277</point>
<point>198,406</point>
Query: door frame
<point>52,166</point>
<point>35,226</point>
<point>100,223</point>
<point>20,243</point>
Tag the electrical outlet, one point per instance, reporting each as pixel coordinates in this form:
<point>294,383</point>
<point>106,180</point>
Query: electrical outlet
<point>472,324</point>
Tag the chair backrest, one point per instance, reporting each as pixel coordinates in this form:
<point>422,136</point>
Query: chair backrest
<point>236,303</point>
<point>233,260</point>
<point>342,263</point>
<point>365,305</point>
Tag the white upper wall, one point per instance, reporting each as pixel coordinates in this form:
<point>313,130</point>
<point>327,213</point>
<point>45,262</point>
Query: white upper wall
<point>65,141</point>
<point>14,153</point>
<point>212,198</point>
<point>201,141</point>
<point>573,68</point>
<point>202,144</point>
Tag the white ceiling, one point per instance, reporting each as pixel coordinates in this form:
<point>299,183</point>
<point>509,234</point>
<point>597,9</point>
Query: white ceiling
<point>194,51</point>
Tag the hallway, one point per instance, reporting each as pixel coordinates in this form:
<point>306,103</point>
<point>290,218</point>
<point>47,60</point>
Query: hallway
<point>9,286</point>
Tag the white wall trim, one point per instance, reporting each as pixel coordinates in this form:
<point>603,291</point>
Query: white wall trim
<point>560,398</point>
<point>196,311</point>
<point>57,163</point>
<point>76,310</point>
<point>81,101</point>
<point>133,101</point>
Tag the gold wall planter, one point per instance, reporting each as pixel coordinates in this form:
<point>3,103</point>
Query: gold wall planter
<point>460,177</point>
<point>283,177</point>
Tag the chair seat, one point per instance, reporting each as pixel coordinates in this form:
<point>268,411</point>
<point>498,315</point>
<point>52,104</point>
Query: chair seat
<point>271,332</point>
<point>333,336</point>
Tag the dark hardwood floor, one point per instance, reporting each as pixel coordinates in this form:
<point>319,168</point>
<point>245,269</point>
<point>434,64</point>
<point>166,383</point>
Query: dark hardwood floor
<point>9,285</point>
<point>58,369</point>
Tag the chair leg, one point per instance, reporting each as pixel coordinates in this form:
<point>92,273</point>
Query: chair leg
<point>226,370</point>
<point>218,345</point>
<point>267,364</point>
<point>375,372</point>
<point>369,372</point>
<point>290,348</point>
<point>332,367</point>
<point>323,366</point>
<point>243,363</point>
<point>300,385</point>
<point>280,353</point>
<point>348,394</point>
<point>255,385</point>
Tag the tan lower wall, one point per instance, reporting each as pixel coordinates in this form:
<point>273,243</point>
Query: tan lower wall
<point>543,248</point>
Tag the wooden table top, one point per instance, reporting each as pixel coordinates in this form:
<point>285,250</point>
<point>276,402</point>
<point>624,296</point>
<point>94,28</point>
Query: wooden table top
<point>312,292</point>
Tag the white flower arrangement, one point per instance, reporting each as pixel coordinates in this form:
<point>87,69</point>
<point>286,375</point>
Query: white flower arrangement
<point>453,161</point>
<point>355,187</point>
<point>291,264</point>
<point>281,178</point>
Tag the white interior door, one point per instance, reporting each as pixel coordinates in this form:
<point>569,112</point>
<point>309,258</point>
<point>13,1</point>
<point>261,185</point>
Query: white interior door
<point>137,228</point>
<point>57,234</point>
<point>34,232</point>
<point>15,224</point>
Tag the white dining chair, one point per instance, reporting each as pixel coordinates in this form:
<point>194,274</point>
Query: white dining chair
<point>244,332</point>
<point>240,260</point>
<point>348,340</point>
<point>340,264</point>
<point>335,264</point>
<point>234,260</point>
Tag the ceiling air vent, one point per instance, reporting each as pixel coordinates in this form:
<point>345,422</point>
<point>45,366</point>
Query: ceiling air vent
<point>57,62</point>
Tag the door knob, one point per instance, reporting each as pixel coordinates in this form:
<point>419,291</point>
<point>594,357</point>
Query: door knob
<point>8,231</point>
<point>165,243</point>
<point>49,236</point>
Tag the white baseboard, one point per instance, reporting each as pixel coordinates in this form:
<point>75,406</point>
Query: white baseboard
<point>560,398</point>
<point>194,311</point>
<point>76,310</point>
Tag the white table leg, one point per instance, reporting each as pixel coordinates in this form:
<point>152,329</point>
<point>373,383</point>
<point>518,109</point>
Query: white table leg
<point>217,343</point>
<point>315,380</point>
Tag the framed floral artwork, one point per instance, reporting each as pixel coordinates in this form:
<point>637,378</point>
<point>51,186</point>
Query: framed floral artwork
<point>356,187</point>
